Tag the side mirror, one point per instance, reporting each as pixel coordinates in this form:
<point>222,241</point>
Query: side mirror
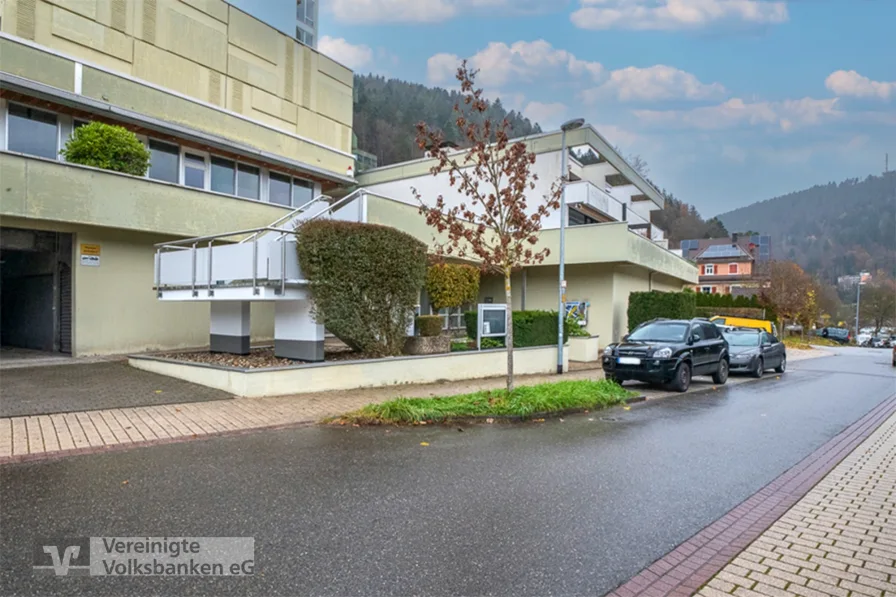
<point>693,338</point>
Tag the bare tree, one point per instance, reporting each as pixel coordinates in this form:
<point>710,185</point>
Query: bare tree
<point>493,222</point>
<point>791,291</point>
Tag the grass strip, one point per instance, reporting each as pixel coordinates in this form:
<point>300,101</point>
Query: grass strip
<point>524,402</point>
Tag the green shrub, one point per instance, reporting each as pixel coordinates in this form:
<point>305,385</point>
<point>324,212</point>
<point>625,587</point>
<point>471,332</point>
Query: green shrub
<point>107,146</point>
<point>530,328</point>
<point>429,325</point>
<point>486,343</point>
<point>573,329</point>
<point>364,280</point>
<point>452,285</point>
<point>644,306</point>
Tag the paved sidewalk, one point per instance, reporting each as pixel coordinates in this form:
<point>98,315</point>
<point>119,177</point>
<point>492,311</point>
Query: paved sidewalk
<point>840,539</point>
<point>41,436</point>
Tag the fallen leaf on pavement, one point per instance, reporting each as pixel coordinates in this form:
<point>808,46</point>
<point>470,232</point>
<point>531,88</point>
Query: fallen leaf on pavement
<point>424,443</point>
<point>158,391</point>
<point>489,420</point>
<point>125,482</point>
<point>626,408</point>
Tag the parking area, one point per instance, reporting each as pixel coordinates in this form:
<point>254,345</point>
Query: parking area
<point>92,386</point>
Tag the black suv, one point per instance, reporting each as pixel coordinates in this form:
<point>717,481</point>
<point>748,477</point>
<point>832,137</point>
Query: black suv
<point>669,351</point>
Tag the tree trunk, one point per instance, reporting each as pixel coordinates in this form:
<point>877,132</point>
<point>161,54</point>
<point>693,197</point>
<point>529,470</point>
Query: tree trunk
<point>509,338</point>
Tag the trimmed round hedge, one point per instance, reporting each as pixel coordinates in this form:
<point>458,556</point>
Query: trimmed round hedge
<point>108,147</point>
<point>364,280</point>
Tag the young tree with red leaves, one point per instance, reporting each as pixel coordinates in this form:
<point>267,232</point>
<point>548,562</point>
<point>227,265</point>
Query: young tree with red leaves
<point>493,222</point>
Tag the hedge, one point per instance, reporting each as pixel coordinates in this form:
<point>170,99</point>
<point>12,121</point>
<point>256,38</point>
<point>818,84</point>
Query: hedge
<point>729,301</point>
<point>429,325</point>
<point>108,147</point>
<point>644,306</point>
<point>364,280</point>
<point>530,328</point>
<point>748,312</point>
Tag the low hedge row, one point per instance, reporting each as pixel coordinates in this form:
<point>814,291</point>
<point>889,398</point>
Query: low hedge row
<point>530,328</point>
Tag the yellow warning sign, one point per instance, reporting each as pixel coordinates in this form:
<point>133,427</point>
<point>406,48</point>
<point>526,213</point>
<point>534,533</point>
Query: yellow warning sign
<point>90,249</point>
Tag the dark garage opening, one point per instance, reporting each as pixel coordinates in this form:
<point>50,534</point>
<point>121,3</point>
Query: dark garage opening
<point>36,290</point>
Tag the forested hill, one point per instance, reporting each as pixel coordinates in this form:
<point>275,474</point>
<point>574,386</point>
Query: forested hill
<point>387,110</point>
<point>831,230</point>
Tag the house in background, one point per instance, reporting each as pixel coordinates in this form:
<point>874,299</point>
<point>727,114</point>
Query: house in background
<point>735,265</point>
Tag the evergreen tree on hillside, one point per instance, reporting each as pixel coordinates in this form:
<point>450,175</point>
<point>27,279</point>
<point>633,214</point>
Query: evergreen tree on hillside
<point>388,110</point>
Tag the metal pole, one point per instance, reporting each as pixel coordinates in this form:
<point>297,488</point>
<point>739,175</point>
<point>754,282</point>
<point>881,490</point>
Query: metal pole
<point>561,310</point>
<point>209,290</point>
<point>858,300</point>
<point>255,265</point>
<point>193,281</point>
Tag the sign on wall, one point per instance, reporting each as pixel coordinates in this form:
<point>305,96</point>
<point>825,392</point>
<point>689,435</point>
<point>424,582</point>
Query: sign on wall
<point>90,255</point>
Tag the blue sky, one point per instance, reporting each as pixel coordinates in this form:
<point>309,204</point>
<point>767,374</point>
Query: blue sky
<point>729,101</point>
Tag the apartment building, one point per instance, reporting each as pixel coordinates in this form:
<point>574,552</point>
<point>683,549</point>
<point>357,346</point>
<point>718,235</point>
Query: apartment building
<point>612,248</point>
<point>244,123</point>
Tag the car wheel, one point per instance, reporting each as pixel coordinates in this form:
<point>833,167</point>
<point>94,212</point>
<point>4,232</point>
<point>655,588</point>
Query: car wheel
<point>782,367</point>
<point>721,374</point>
<point>759,370</point>
<point>682,380</point>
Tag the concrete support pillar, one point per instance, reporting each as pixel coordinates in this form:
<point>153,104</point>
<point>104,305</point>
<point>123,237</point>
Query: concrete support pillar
<point>296,334</point>
<point>230,328</point>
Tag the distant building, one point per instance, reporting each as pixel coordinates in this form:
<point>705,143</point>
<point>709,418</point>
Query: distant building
<point>364,160</point>
<point>735,265</point>
<point>281,14</point>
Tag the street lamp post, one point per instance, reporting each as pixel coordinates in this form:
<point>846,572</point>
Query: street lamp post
<point>858,301</point>
<point>569,125</point>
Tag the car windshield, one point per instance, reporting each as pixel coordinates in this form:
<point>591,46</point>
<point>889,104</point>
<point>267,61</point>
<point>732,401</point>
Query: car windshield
<point>660,332</point>
<point>742,339</point>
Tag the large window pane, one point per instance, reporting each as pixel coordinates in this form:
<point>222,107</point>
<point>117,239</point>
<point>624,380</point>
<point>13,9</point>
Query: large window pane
<point>278,189</point>
<point>247,178</point>
<point>194,170</point>
<point>32,131</point>
<point>302,192</point>
<point>163,161</point>
<point>223,176</point>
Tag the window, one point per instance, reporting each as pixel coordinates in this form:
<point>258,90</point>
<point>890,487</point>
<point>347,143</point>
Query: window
<point>305,12</point>
<point>732,268</point>
<point>697,331</point>
<point>223,176</point>
<point>279,189</point>
<point>32,131</point>
<point>302,192</point>
<point>706,290</point>
<point>710,331</point>
<point>79,123</point>
<point>247,179</point>
<point>194,170</point>
<point>164,159</point>
<point>709,269</point>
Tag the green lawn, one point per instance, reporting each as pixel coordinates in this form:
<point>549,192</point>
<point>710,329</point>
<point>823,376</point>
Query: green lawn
<point>524,402</point>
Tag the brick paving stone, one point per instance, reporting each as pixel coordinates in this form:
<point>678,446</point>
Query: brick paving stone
<point>839,540</point>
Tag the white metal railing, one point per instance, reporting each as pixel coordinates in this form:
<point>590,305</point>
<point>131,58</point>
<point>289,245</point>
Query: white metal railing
<point>586,192</point>
<point>224,258</point>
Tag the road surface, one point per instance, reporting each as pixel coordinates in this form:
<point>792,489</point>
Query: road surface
<point>572,507</point>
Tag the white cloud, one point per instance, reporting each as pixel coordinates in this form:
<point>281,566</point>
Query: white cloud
<point>785,115</point>
<point>651,84</point>
<point>365,12</point>
<point>676,14</point>
<point>617,136</point>
<point>548,115</point>
<point>852,84</point>
<point>522,61</point>
<point>352,56</point>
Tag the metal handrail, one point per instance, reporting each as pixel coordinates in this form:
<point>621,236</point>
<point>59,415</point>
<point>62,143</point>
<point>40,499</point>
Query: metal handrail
<point>332,207</point>
<point>299,210</point>
<point>175,244</point>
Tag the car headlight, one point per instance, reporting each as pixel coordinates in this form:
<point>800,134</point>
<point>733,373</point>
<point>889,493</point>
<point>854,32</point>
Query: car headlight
<point>608,351</point>
<point>662,353</point>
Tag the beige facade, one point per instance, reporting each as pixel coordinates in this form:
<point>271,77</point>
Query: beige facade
<point>201,63</point>
<point>604,264</point>
<point>198,76</point>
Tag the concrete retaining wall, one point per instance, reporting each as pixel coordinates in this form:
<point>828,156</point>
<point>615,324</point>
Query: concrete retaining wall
<point>348,375</point>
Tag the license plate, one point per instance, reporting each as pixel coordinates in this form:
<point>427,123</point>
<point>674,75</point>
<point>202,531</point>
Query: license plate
<point>629,361</point>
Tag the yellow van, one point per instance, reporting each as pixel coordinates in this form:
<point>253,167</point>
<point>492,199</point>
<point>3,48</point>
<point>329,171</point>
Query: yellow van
<point>743,322</point>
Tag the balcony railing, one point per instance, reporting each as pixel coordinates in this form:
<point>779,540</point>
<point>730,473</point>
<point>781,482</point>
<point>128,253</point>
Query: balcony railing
<point>587,193</point>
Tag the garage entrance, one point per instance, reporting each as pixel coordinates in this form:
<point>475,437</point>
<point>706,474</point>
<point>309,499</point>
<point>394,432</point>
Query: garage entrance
<point>36,290</point>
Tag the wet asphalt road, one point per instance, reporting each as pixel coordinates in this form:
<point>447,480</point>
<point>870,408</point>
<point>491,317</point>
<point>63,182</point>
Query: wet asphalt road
<point>556,508</point>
